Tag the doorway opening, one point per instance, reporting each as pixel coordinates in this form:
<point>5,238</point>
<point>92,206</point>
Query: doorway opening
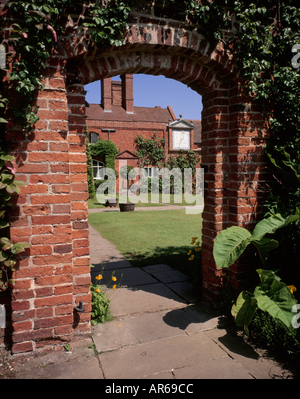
<point>158,102</point>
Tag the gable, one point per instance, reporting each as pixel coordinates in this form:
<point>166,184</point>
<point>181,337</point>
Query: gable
<point>181,124</point>
<point>127,155</point>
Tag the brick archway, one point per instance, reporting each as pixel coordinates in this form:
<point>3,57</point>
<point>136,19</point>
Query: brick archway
<point>233,129</point>
<point>51,211</point>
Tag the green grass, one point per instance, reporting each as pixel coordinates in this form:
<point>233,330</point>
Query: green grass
<point>94,204</point>
<point>153,237</point>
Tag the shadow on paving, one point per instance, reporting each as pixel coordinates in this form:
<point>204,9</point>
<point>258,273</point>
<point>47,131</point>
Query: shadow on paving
<point>157,302</point>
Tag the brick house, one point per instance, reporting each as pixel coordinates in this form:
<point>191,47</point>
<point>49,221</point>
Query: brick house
<point>118,120</point>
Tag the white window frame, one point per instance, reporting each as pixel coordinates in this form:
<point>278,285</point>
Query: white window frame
<point>99,168</point>
<point>93,137</point>
<point>149,172</point>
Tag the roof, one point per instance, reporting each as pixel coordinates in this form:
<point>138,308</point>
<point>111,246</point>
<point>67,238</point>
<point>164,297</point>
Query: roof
<point>140,114</point>
<point>181,124</point>
<point>197,130</point>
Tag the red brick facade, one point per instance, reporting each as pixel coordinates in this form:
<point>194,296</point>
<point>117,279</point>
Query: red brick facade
<point>119,120</point>
<point>51,211</point>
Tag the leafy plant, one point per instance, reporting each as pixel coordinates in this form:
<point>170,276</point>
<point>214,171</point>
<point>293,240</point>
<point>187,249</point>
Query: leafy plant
<point>108,23</point>
<point>271,295</point>
<point>150,151</point>
<point>101,299</point>
<point>232,242</point>
<point>100,306</point>
<point>107,150</point>
<point>8,250</point>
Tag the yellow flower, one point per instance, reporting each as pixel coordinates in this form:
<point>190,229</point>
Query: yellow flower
<point>192,257</point>
<point>97,290</point>
<point>114,278</point>
<point>193,240</point>
<point>197,249</point>
<point>99,277</point>
<point>292,288</point>
<point>114,286</point>
<point>188,253</point>
<point>197,243</point>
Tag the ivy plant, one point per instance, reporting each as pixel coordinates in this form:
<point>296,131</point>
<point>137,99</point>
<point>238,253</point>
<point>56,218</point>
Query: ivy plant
<point>8,250</point>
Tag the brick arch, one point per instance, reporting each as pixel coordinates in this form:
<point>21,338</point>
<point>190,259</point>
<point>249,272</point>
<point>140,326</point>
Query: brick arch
<point>51,212</point>
<point>233,129</point>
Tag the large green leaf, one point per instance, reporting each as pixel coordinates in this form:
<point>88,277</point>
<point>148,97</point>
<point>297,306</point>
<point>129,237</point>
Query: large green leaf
<point>264,246</point>
<point>274,297</point>
<point>267,226</point>
<point>244,309</point>
<point>229,245</point>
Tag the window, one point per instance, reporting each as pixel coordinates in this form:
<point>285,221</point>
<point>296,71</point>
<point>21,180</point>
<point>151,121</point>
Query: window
<point>93,138</point>
<point>98,170</point>
<point>181,139</point>
<point>151,172</point>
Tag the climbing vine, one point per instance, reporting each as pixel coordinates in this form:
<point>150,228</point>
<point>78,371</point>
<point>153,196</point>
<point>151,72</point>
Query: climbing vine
<point>8,250</point>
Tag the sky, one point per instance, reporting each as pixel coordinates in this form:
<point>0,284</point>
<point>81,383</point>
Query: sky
<point>150,91</point>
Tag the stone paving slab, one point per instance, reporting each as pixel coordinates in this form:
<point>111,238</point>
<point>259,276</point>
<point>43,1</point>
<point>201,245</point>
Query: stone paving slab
<point>157,268</point>
<point>80,362</point>
<point>113,335</point>
<point>127,277</point>
<point>222,368</point>
<point>159,356</point>
<point>144,298</point>
<point>253,360</point>
<point>169,276</point>
<point>187,290</point>
<point>151,327</point>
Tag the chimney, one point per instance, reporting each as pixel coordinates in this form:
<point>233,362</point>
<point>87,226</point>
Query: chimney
<point>127,92</point>
<point>106,94</point>
<point>116,90</point>
<point>117,93</point>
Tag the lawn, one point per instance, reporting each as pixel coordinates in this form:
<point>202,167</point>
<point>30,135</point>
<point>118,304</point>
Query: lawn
<point>94,204</point>
<point>153,237</point>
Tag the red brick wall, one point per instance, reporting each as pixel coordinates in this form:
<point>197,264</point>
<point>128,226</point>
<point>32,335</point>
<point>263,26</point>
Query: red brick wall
<point>51,211</point>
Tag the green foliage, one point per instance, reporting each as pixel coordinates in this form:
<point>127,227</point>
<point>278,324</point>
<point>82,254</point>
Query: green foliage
<point>150,151</point>
<point>273,334</point>
<point>8,250</point>
<point>232,242</point>
<point>108,23</point>
<point>100,299</point>
<point>271,296</point>
<point>32,38</point>
<point>107,150</point>
<point>100,305</point>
